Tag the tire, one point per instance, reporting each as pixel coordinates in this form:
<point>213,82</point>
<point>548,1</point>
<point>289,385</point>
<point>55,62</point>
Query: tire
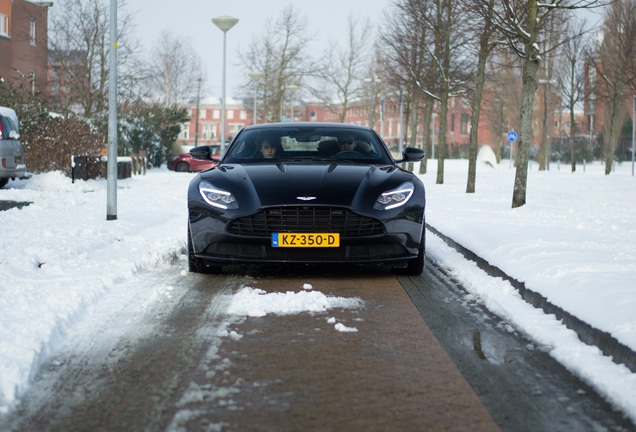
<point>415,266</point>
<point>3,182</point>
<point>182,167</point>
<point>197,265</point>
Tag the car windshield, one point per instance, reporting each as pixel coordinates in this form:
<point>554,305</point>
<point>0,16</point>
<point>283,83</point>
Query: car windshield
<point>299,143</point>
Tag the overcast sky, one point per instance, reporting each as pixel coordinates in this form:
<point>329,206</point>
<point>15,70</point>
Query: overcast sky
<point>192,19</point>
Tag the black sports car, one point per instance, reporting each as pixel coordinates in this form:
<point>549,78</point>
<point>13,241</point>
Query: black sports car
<point>306,193</point>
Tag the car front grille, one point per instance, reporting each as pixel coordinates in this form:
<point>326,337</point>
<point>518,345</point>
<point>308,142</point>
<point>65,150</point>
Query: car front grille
<point>306,219</point>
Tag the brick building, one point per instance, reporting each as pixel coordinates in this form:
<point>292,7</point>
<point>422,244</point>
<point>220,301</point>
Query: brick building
<point>386,121</point>
<point>24,42</point>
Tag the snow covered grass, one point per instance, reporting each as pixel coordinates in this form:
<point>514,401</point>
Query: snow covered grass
<point>574,242</point>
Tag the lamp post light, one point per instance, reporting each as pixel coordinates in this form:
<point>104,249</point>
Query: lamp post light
<point>256,76</point>
<point>224,23</point>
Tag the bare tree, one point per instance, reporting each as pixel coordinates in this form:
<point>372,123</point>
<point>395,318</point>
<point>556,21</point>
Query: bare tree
<point>486,46</point>
<point>79,42</point>
<point>177,70</point>
<point>554,27</point>
<point>281,54</point>
<point>342,74</point>
<point>523,24</point>
<point>405,53</point>
<point>424,44</point>
<point>614,61</point>
<point>570,79</point>
<point>452,60</point>
<point>502,97</point>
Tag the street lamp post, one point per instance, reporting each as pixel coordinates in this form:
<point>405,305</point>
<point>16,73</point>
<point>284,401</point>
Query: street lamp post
<point>400,139</point>
<point>382,118</point>
<point>224,23</point>
<point>256,76</point>
<point>633,133</point>
<point>196,120</point>
<point>373,81</point>
<point>111,169</point>
<point>292,88</point>
<point>546,102</point>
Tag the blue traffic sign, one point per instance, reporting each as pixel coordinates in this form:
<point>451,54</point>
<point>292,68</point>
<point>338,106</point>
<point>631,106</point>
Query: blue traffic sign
<point>512,136</point>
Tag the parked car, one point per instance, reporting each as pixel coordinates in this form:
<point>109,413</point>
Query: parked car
<point>12,164</point>
<point>332,193</point>
<point>186,163</point>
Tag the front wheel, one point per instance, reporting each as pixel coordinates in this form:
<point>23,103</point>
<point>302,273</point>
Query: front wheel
<point>182,167</point>
<point>3,182</point>
<point>415,266</point>
<point>197,265</point>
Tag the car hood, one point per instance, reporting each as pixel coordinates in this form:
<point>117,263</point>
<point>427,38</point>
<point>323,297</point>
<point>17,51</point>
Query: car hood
<point>341,184</point>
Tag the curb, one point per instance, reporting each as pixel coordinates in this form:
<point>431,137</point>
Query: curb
<point>604,341</point>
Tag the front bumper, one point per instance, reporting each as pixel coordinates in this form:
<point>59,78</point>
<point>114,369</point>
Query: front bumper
<point>399,241</point>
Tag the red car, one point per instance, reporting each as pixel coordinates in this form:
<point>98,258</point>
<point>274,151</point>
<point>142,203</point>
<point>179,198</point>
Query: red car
<point>185,162</point>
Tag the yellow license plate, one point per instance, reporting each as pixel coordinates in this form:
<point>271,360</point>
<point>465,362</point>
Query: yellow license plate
<point>315,240</point>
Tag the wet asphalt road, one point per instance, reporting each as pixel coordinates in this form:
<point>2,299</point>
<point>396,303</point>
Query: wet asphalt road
<point>522,387</point>
<point>422,359</point>
<point>6,205</point>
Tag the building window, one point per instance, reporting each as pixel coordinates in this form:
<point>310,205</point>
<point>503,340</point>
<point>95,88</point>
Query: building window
<point>216,114</point>
<point>32,31</point>
<point>229,114</point>
<point>243,115</point>
<point>4,25</point>
<point>465,125</point>
<point>184,131</point>
<point>235,128</point>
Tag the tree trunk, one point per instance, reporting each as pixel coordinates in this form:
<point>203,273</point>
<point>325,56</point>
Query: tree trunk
<point>529,79</point>
<point>572,139</point>
<point>428,130</point>
<point>445,88</point>
<point>612,136</point>
<point>484,51</point>
<point>543,146</point>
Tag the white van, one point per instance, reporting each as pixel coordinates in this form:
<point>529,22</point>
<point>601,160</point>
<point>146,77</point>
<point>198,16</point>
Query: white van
<point>12,164</point>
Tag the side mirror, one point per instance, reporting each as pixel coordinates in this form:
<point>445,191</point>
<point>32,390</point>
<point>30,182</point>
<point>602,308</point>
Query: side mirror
<point>412,154</point>
<point>203,153</point>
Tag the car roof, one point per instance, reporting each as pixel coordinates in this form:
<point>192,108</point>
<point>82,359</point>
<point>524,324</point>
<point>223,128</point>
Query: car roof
<point>288,125</point>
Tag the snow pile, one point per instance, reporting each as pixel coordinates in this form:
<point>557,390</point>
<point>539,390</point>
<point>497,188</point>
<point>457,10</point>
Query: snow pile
<point>255,302</point>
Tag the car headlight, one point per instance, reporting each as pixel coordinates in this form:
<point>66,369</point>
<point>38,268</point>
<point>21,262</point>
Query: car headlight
<point>395,197</point>
<point>217,197</point>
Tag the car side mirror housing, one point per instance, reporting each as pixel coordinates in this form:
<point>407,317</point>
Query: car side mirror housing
<point>203,153</point>
<point>412,154</point>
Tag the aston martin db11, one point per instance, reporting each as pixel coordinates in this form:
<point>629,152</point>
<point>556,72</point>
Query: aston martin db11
<point>306,193</point>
